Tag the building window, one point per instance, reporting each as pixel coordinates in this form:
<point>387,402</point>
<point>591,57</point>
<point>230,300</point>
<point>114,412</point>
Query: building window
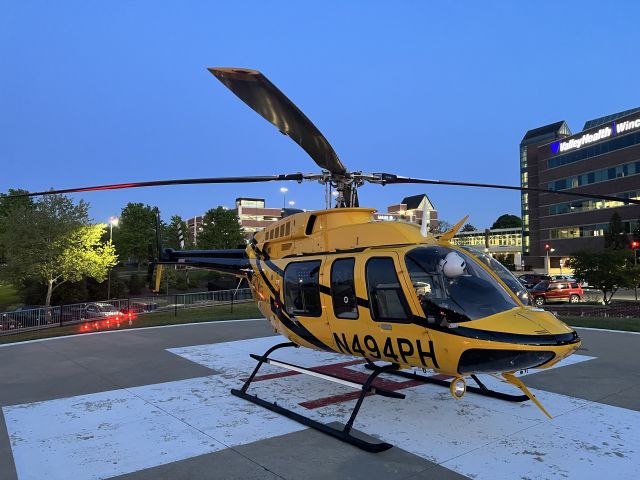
<point>386,298</point>
<point>343,290</point>
<point>595,230</point>
<point>301,289</point>
<point>576,206</point>
<point>604,175</point>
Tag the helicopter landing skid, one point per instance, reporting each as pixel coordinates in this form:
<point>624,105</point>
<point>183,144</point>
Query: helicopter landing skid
<point>341,434</point>
<point>481,389</point>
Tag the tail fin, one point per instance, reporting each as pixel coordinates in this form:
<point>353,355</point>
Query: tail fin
<point>449,235</point>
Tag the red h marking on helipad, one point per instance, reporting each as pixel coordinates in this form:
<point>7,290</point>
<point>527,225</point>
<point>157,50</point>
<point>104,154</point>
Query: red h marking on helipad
<point>341,370</point>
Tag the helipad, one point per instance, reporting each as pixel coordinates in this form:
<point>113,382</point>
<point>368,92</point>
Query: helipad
<point>155,403</point>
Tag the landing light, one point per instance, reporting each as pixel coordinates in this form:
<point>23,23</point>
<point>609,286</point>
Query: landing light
<point>458,388</point>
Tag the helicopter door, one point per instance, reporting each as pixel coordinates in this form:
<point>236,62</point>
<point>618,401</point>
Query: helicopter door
<point>396,337</point>
<point>302,302</point>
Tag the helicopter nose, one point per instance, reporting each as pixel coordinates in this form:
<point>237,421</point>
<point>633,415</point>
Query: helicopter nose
<point>517,340</point>
<point>481,360</point>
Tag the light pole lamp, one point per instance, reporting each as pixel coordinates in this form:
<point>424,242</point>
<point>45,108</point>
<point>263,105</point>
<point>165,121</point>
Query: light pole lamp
<point>113,221</point>
<point>548,249</point>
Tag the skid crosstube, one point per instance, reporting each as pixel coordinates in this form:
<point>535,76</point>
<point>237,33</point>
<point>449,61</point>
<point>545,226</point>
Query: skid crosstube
<point>481,389</point>
<point>341,434</point>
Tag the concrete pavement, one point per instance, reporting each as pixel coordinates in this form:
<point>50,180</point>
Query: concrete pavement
<point>146,385</point>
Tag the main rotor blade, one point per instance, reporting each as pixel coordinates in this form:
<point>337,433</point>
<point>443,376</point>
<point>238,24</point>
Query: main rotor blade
<point>392,179</point>
<point>298,177</point>
<point>261,95</point>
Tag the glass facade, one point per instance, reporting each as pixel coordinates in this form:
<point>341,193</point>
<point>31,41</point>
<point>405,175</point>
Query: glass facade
<point>590,204</point>
<point>595,230</point>
<point>524,200</point>
<point>250,202</point>
<point>596,176</point>
<point>594,150</point>
<point>499,237</point>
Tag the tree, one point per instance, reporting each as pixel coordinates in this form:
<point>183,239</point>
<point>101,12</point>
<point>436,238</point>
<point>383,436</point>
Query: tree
<point>607,270</point>
<point>53,243</point>
<point>507,221</point>
<point>615,237</point>
<point>468,228</point>
<point>170,234</point>
<point>442,227</point>
<point>7,207</point>
<point>221,229</point>
<point>636,231</point>
<point>136,230</point>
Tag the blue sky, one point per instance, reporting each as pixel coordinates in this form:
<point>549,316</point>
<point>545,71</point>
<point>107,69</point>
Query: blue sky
<point>111,92</point>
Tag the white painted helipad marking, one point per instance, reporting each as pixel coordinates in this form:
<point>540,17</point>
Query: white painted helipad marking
<point>122,431</point>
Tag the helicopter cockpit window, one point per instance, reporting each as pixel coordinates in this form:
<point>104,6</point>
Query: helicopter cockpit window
<point>505,275</point>
<point>452,287</point>
<point>301,289</point>
<point>343,290</point>
<point>386,297</point>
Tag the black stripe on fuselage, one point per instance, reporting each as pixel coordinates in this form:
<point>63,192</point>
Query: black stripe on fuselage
<point>298,329</point>
<point>502,337</point>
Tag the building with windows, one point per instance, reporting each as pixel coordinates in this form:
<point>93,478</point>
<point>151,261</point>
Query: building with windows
<point>194,227</point>
<point>504,244</point>
<point>410,210</point>
<point>604,159</point>
<point>255,216</point>
<point>252,214</point>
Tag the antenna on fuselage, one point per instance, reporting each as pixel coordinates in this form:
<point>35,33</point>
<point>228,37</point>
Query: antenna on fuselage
<point>426,219</point>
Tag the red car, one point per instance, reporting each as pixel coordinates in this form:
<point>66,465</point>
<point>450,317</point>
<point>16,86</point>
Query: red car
<point>549,291</point>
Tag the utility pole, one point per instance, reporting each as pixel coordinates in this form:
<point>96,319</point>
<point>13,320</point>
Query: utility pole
<point>112,221</point>
<point>635,245</point>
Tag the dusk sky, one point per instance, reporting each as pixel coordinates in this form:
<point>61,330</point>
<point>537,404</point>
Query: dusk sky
<point>111,92</point>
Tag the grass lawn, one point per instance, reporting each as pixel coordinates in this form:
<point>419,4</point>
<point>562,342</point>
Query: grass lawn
<point>611,323</point>
<point>205,314</point>
<point>8,295</point>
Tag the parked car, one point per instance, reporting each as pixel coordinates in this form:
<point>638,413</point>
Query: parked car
<point>553,291</point>
<point>8,322</point>
<point>530,280</point>
<point>95,311</point>
<point>566,278</point>
<point>140,307</point>
<point>100,316</point>
<point>100,311</point>
<point>35,315</point>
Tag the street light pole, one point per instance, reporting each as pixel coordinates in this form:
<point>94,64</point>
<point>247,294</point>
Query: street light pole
<point>635,245</point>
<point>547,264</point>
<point>112,221</point>
<point>284,191</point>
<point>635,264</point>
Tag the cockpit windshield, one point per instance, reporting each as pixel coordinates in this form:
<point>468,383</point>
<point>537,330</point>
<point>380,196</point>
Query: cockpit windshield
<point>452,287</point>
<point>505,275</point>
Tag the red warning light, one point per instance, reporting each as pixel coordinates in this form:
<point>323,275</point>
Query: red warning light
<point>635,244</point>
<point>547,246</point>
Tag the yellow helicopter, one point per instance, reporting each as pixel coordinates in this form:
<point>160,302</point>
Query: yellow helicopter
<point>336,280</point>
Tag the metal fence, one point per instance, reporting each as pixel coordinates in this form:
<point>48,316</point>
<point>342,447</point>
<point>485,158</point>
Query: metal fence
<point>112,312</point>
